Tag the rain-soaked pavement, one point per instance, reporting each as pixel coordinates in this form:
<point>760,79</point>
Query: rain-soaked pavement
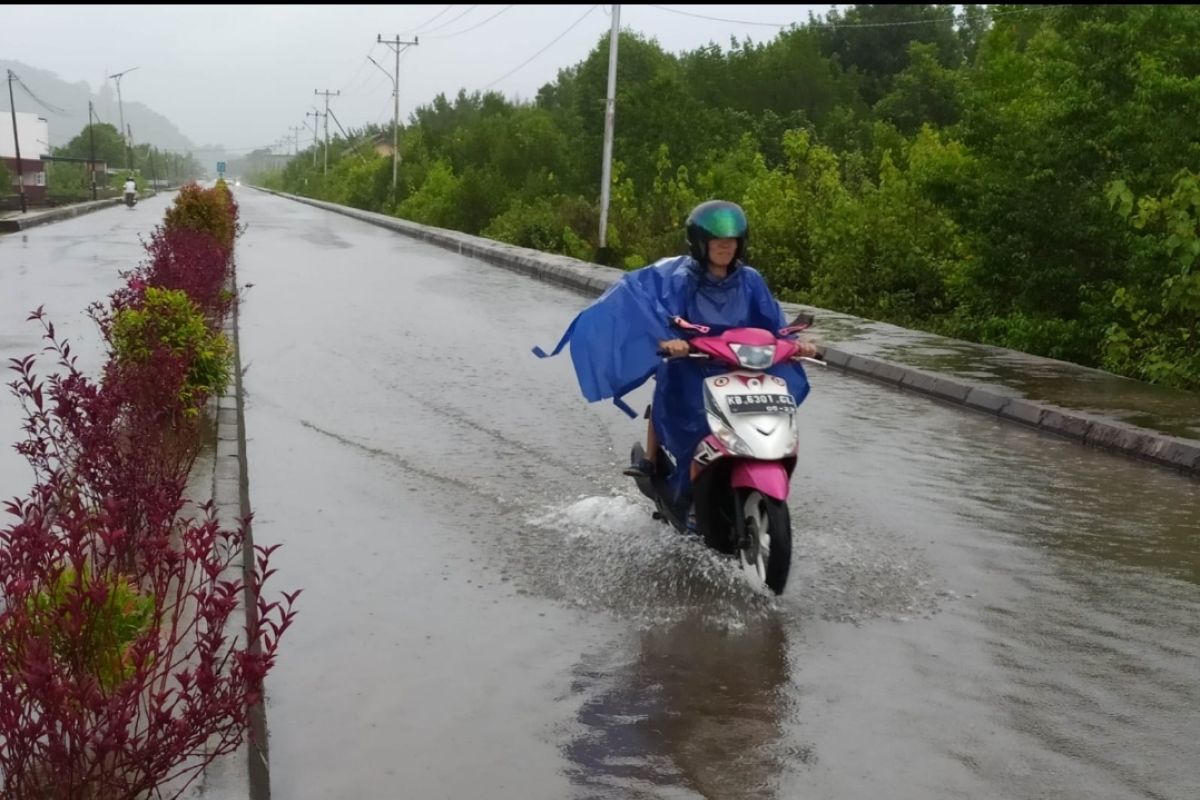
<point>65,267</point>
<point>976,610</point>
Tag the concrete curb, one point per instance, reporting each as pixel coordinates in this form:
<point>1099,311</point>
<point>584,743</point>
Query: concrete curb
<point>231,495</point>
<point>223,477</point>
<point>592,279</point>
<point>257,747</point>
<point>15,224</point>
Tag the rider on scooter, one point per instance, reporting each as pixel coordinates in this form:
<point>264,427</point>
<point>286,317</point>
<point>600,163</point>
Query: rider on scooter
<point>130,190</point>
<point>615,342</point>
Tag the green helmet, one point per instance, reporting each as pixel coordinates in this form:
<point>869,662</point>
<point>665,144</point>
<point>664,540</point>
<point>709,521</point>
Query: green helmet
<point>716,219</point>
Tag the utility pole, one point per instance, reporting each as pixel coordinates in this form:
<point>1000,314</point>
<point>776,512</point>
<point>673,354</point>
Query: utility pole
<point>153,172</point>
<point>315,114</point>
<point>121,107</point>
<point>129,146</point>
<point>92,136</point>
<point>295,129</point>
<point>17,143</point>
<point>327,94</point>
<point>398,46</point>
<point>610,109</point>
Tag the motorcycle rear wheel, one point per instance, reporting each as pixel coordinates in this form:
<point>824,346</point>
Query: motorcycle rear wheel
<point>766,557</point>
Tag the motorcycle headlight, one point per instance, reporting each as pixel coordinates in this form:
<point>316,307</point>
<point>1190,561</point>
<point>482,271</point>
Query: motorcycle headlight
<point>754,356</point>
<point>722,428</point>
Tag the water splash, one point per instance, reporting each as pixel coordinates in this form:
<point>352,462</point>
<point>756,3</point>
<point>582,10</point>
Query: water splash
<point>606,553</point>
<point>609,555</point>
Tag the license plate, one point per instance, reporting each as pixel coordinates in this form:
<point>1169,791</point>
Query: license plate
<point>761,403</point>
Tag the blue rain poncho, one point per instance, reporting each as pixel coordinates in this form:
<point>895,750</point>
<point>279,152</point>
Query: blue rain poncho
<point>614,343</point>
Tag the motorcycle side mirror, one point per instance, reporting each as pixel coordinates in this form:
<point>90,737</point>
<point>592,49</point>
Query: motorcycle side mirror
<point>683,324</point>
<point>802,322</point>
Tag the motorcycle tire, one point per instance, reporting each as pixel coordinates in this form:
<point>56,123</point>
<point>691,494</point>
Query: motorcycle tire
<point>760,511</point>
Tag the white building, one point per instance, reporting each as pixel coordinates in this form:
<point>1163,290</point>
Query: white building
<point>34,133</point>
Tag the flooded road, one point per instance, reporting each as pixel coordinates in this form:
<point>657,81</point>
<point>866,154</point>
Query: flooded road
<point>975,610</point>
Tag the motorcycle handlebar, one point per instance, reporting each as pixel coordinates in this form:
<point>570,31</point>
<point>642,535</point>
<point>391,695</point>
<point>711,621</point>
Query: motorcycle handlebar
<point>707,357</point>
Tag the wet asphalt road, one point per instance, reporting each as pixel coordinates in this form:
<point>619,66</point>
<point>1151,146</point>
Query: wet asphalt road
<point>975,610</point>
<point>65,267</point>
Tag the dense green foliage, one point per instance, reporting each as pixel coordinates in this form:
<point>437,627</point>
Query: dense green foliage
<point>72,179</point>
<point>970,174</point>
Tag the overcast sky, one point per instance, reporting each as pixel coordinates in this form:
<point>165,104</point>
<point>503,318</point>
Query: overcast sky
<point>240,75</point>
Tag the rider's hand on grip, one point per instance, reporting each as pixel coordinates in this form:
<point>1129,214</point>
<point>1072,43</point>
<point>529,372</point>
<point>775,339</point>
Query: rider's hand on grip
<point>805,350</point>
<point>673,348</point>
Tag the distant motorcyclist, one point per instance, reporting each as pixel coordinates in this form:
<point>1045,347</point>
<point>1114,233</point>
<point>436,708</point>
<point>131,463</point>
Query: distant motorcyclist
<point>130,191</point>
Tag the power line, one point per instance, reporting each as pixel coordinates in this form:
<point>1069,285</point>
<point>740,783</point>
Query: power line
<point>372,84</point>
<point>1024,11</point>
<point>451,21</point>
<point>361,64</point>
<point>431,19</point>
<point>720,19</point>
<point>51,108</point>
<point>544,49</point>
<point>473,27</point>
<point>386,108</point>
<point>836,25</point>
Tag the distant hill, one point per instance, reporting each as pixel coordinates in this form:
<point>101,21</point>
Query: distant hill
<point>148,126</point>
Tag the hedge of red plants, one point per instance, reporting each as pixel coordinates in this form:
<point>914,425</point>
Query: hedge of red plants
<point>119,677</point>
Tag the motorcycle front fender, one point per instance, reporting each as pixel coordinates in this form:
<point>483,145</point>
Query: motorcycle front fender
<point>768,477</point>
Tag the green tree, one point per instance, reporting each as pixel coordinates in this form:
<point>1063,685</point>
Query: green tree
<point>110,147</point>
<point>1156,335</point>
<point>873,40</point>
<point>925,92</point>
<point>436,201</point>
<point>1052,116</point>
<point>890,252</point>
<point>939,171</point>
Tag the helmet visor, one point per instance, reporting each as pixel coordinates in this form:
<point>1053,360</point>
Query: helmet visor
<point>722,223</point>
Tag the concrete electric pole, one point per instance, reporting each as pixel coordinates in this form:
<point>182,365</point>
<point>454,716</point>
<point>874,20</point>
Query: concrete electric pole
<point>609,114</point>
<point>92,138</point>
<point>327,94</point>
<point>121,108</point>
<point>398,46</point>
<point>17,143</point>
<point>315,114</point>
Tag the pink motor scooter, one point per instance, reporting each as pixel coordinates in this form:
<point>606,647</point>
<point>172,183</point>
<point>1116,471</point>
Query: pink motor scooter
<point>741,471</point>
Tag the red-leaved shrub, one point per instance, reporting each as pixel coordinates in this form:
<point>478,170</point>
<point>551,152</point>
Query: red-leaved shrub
<point>128,658</point>
<point>192,261</point>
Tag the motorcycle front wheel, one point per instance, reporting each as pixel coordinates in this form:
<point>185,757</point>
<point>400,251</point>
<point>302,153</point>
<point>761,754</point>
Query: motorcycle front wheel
<point>766,553</point>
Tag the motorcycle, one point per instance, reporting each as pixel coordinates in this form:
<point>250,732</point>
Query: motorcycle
<point>741,471</point>
<point>130,199</point>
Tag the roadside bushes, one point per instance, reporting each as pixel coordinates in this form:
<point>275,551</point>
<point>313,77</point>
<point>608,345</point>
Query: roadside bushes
<point>127,659</point>
<point>213,211</point>
<point>167,319</point>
